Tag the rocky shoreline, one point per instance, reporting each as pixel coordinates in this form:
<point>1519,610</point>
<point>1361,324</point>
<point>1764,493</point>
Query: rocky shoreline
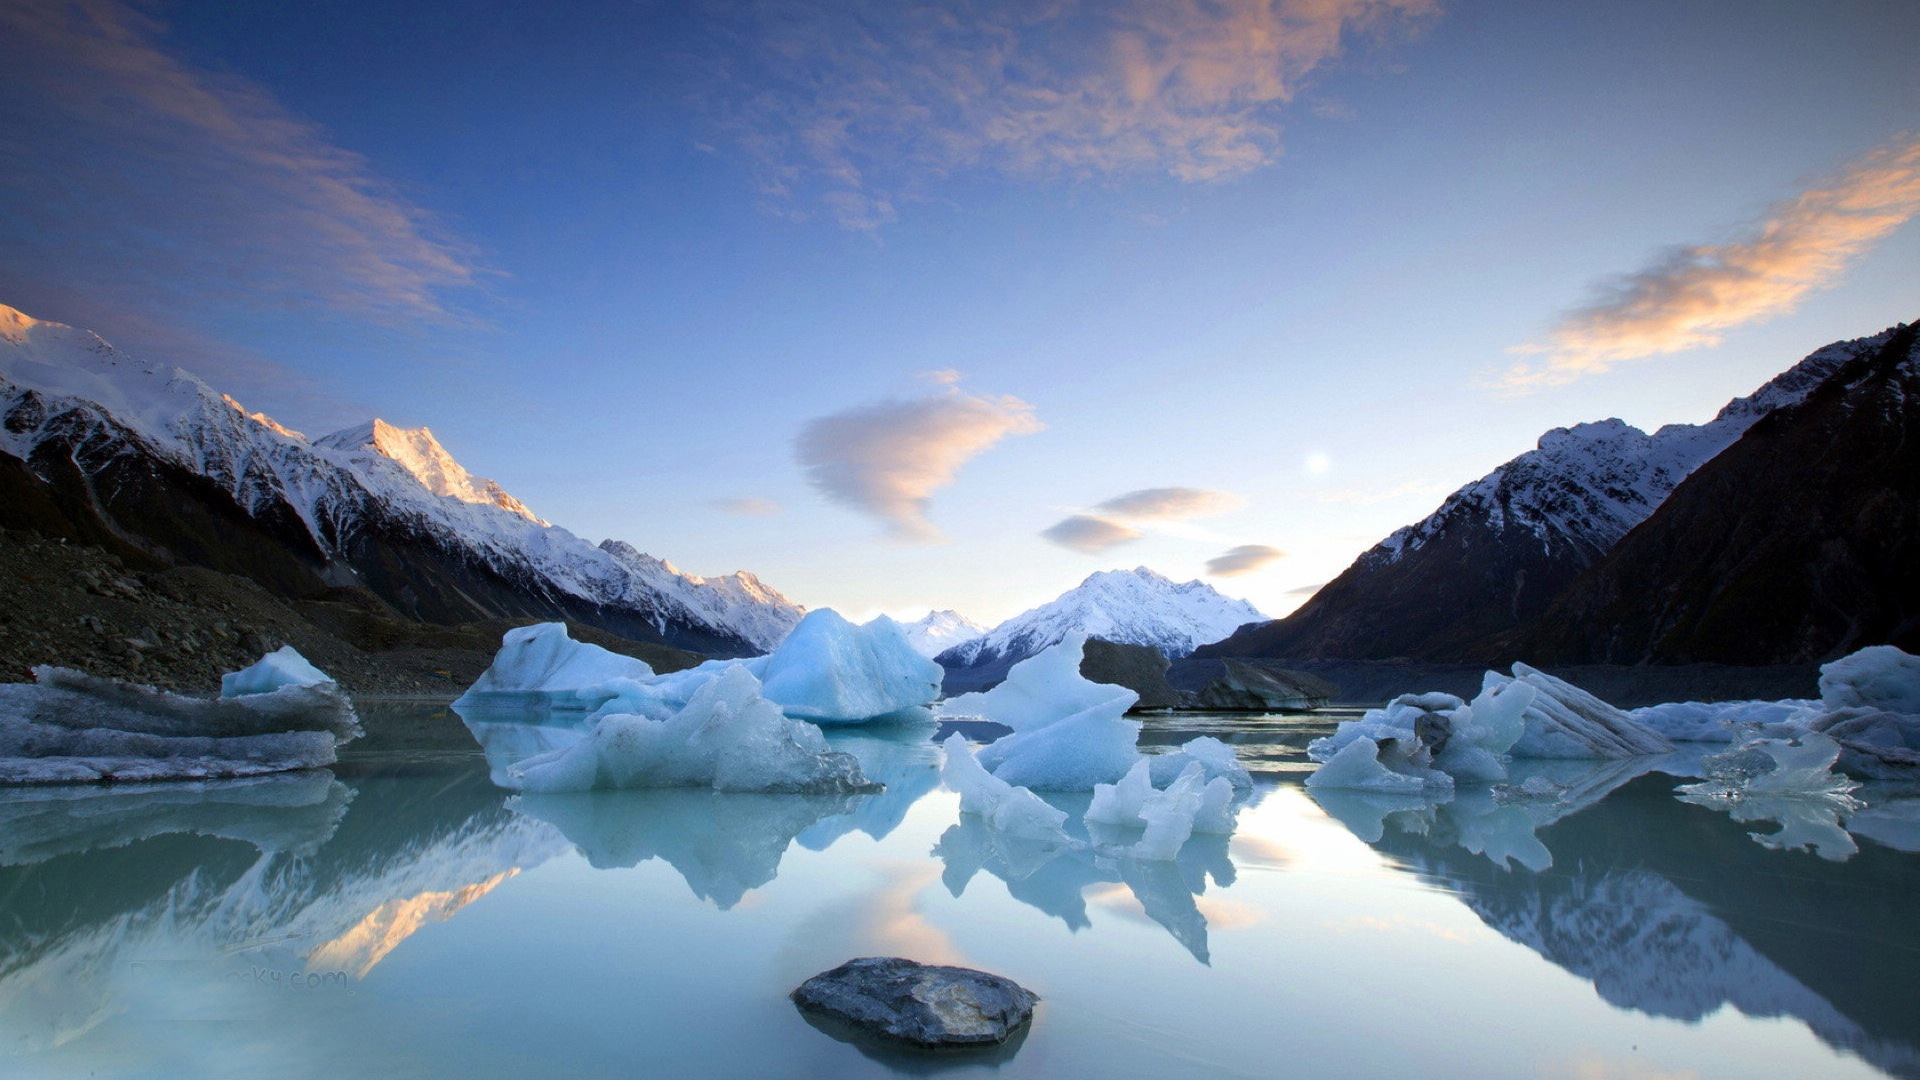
<point>180,627</point>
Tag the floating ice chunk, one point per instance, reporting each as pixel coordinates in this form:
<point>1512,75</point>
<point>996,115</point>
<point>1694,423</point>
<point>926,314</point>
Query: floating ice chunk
<point>1216,757</point>
<point>282,667</point>
<point>832,672</point>
<point>1068,733</point>
<point>70,726</point>
<point>1097,746</point>
<point>1361,765</point>
<point>1874,743</point>
<point>1878,677</point>
<point>1044,689</point>
<point>728,737</point>
<point>1719,721</point>
<point>1192,803</point>
<point>542,662</point>
<point>1009,809</point>
<point>1565,721</point>
<point>1426,742</point>
<point>1774,767</point>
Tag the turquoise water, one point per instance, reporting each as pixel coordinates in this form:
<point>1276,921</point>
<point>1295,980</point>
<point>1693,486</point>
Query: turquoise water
<point>402,916</point>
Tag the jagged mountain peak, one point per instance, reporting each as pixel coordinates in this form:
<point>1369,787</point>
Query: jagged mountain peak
<point>417,451</point>
<point>937,631</point>
<point>345,510</point>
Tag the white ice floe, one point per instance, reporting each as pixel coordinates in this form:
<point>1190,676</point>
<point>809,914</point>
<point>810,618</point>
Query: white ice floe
<point>728,737</point>
<point>1006,808</point>
<point>1565,721</point>
<point>1069,733</point>
<point>1191,803</point>
<point>1043,689</point>
<point>1425,743</point>
<point>831,671</point>
<point>1719,721</point>
<point>69,726</point>
<point>1791,782</point>
<point>543,662</point>
<point>282,667</point>
<point>828,671</point>
<point>1878,677</point>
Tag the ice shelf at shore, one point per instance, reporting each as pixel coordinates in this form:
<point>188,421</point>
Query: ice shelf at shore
<point>67,726</point>
<point>828,670</point>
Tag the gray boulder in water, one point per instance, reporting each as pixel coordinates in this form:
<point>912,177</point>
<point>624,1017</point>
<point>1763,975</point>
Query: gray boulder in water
<point>921,1005</point>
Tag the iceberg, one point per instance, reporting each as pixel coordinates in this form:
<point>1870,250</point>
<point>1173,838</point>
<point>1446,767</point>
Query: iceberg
<point>542,663</point>
<point>827,670</point>
<point>1791,782</point>
<point>830,671</point>
<point>1191,803</point>
<point>1877,677</point>
<point>1043,688</point>
<point>282,667</point>
<point>1422,744</point>
<point>1069,733</point>
<point>68,726</point>
<point>1565,721</point>
<point>1718,721</point>
<point>1006,808</point>
<point>728,737</point>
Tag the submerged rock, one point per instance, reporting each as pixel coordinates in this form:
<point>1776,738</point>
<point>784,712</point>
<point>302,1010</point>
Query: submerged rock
<point>921,1005</point>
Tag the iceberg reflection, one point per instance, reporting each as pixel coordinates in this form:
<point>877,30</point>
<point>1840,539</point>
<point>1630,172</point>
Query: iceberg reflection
<point>1669,909</point>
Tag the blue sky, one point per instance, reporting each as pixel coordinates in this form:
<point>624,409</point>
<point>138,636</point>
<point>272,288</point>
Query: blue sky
<point>871,298</point>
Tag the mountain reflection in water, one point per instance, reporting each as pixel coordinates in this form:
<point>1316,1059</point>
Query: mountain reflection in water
<point>1671,909</point>
<point>1667,909</point>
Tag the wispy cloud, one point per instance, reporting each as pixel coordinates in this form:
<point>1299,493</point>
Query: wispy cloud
<point>747,507</point>
<point>860,103</point>
<point>1244,559</point>
<point>1089,534</point>
<point>1107,526</point>
<point>125,167</point>
<point>888,459</point>
<point>1693,295</point>
<point>1171,503</point>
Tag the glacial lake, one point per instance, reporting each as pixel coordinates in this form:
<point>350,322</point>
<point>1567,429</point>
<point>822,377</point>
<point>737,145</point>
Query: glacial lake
<point>401,916</point>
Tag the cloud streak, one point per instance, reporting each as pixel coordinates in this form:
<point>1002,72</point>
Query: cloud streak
<point>1090,535</point>
<point>127,168</point>
<point>887,459</point>
<point>862,103</point>
<point>752,507</point>
<point>1691,297</point>
<point>1170,503</point>
<point>1107,526</point>
<point>1244,559</point>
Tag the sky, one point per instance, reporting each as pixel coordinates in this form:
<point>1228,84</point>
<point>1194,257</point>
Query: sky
<point>905,306</point>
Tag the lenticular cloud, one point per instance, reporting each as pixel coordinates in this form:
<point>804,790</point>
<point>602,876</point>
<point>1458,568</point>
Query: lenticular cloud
<point>888,459</point>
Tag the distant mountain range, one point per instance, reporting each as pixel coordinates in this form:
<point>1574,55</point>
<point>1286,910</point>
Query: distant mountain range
<point>153,464</point>
<point>938,631</point>
<point>1783,531</point>
<point>1127,607</point>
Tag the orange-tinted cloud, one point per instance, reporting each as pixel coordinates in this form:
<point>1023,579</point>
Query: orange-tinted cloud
<point>751,507</point>
<point>124,166</point>
<point>888,459</point>
<point>1244,559</point>
<point>1693,296</point>
<point>864,101</point>
<point>1090,534</point>
<point>1170,503</point>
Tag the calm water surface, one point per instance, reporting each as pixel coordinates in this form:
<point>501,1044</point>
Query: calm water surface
<point>402,916</point>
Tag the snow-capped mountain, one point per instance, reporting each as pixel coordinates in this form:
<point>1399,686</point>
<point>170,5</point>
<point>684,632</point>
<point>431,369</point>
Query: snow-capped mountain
<point>1129,607</point>
<point>420,454</point>
<point>938,631</point>
<point>375,506</point>
<point>1498,551</point>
